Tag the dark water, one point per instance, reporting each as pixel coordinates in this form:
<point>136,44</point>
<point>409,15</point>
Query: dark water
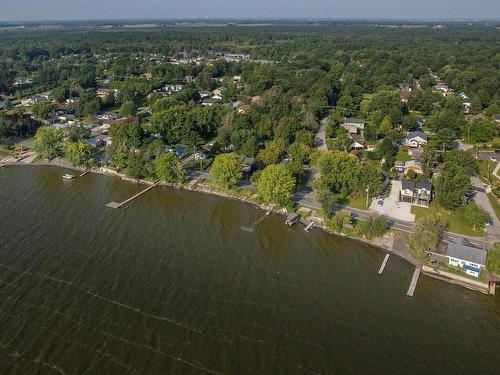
<point>171,285</point>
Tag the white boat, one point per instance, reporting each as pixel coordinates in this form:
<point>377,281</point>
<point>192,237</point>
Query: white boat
<point>68,176</point>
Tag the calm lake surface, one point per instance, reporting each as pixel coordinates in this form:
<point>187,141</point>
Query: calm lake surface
<point>172,285</point>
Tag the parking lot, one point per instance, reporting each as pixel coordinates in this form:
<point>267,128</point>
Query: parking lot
<point>392,206</point>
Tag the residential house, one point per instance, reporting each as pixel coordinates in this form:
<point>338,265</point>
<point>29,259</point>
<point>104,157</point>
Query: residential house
<point>210,101</point>
<point>205,94</point>
<point>415,139</point>
<point>418,193</point>
<point>103,93</point>
<point>106,116</point>
<point>353,125</point>
<point>466,102</point>
<point>217,93</point>
<point>464,255</point>
<point>413,165</point>
<point>173,88</point>
<point>404,92</point>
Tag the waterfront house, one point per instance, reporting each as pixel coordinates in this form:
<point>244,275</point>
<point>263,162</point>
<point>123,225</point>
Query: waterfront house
<point>418,193</point>
<point>353,125</point>
<point>464,255</point>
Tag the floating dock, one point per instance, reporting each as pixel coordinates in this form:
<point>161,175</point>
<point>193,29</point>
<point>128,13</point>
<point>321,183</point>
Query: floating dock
<point>259,220</point>
<point>309,226</point>
<point>118,205</point>
<point>413,283</point>
<point>382,267</point>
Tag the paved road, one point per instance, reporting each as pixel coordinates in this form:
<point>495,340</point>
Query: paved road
<point>320,138</point>
<point>481,199</point>
<point>401,225</point>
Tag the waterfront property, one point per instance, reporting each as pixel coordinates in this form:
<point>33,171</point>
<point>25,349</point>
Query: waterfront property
<point>418,193</point>
<point>464,255</point>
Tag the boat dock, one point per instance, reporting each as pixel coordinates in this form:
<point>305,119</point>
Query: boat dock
<point>85,172</point>
<point>118,205</point>
<point>413,283</point>
<point>259,220</point>
<point>382,267</point>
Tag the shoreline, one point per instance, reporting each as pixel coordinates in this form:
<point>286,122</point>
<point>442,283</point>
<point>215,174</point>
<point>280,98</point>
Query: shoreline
<point>193,186</point>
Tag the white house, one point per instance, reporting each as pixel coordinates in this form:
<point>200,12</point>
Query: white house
<point>356,146</point>
<point>352,125</point>
<point>415,139</point>
<point>463,255</point>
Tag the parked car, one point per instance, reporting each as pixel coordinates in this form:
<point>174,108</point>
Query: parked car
<point>493,159</point>
<point>380,202</point>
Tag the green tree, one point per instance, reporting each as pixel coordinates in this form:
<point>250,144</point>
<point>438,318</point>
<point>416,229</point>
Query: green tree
<point>169,168</point>
<point>272,152</point>
<point>493,261</point>
<point>479,131</point>
<point>373,227</point>
<point>226,170</point>
<point>444,139</point>
<point>79,154</point>
<point>44,110</point>
<point>370,178</point>
<point>426,235</point>
<point>452,184</point>
<point>475,215</point>
<point>276,185</point>
<point>338,170</point>
<point>299,152</point>
<point>48,143</point>
<point>339,220</point>
<point>127,109</point>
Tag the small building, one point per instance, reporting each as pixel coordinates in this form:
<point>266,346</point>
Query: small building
<point>205,94</point>
<point>200,156</point>
<point>246,164</point>
<point>353,125</point>
<point>356,146</point>
<point>413,165</point>
<point>405,92</point>
<point>464,255</point>
<point>210,101</point>
<point>415,139</point>
<point>466,104</point>
<point>418,193</point>
<point>292,219</point>
<point>107,116</point>
<point>496,117</point>
<point>103,93</point>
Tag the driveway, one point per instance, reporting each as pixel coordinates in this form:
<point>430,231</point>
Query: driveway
<point>481,199</point>
<point>392,207</point>
<point>320,138</point>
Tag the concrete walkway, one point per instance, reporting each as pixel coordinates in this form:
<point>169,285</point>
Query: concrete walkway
<point>392,207</point>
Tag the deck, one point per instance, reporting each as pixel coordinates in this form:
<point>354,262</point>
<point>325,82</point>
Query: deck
<point>413,283</point>
<point>118,205</point>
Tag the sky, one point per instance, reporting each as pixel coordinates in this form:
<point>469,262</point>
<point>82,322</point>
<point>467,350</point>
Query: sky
<point>16,10</point>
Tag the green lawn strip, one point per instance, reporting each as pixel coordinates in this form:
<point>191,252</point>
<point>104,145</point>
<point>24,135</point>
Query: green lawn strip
<point>403,156</point>
<point>494,204</point>
<point>350,201</point>
<point>455,220</point>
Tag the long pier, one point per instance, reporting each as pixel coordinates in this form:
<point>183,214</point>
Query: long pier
<point>413,283</point>
<point>382,267</point>
<point>85,172</point>
<point>259,220</point>
<point>118,205</point>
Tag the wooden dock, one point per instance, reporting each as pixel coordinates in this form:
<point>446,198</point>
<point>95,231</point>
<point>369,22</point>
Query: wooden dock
<point>85,172</point>
<point>259,220</point>
<point>382,267</point>
<point>118,205</point>
<point>414,281</point>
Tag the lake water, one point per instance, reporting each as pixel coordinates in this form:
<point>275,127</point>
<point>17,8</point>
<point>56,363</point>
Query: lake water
<point>172,285</point>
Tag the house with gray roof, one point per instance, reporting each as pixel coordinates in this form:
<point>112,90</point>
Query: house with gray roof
<point>352,125</point>
<point>415,139</point>
<point>418,193</point>
<point>464,255</point>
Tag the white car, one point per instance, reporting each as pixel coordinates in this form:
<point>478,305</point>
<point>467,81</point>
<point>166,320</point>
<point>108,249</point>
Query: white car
<point>493,159</point>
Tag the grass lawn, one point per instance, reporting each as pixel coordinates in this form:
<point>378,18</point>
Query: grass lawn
<point>494,204</point>
<point>455,221</point>
<point>486,169</point>
<point>4,151</point>
<point>403,156</point>
<point>359,202</point>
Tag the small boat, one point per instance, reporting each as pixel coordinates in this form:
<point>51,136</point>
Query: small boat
<point>292,219</point>
<point>68,176</point>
